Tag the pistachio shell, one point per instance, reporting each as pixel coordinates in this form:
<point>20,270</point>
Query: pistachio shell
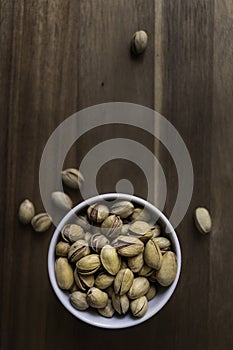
<point>104,280</point>
<point>72,232</point>
<point>98,241</point>
<point>62,249</point>
<point>122,208</point>
<point>72,178</point>
<point>41,222</point>
<point>139,306</point>
<point>203,220</point>
<point>78,250</point>
<point>123,281</point>
<point>79,300</point>
<point>151,292</point>
<point>110,259</point>
<point>26,212</point>
<point>88,264</point>
<point>139,288</point>
<point>83,222</point>
<point>64,273</point>
<point>97,212</point>
<point>83,282</point>
<point>128,246</point>
<point>140,214</point>
<point>146,271</point>
<point>110,291</point>
<point>120,303</point>
<point>111,226</point>
<point>141,229</point>
<point>123,265</point>
<point>136,262</point>
<point>167,272</point>
<point>162,242</point>
<point>62,200</point>
<point>156,230</point>
<point>108,310</point>
<point>97,298</point>
<point>152,255</point>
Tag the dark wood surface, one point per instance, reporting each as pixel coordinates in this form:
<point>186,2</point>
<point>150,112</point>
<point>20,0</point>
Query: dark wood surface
<point>58,57</point>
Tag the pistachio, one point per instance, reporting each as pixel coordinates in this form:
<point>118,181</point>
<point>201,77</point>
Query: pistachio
<point>104,280</point>
<point>128,246</point>
<point>123,281</point>
<point>79,300</point>
<point>78,250</point>
<point>139,288</point>
<point>123,265</point>
<point>136,262</point>
<point>151,292</point>
<point>111,226</point>
<point>62,200</point>
<point>141,229</point>
<point>71,233</point>
<point>146,271</point>
<point>83,222</point>
<point>162,242</point>
<point>120,303</point>
<point>98,241</point>
<point>122,208</point>
<point>64,273</point>
<point>88,264</point>
<point>108,310</point>
<point>152,255</point>
<point>140,214</point>
<point>167,272</point>
<point>74,288</point>
<point>110,259</point>
<point>72,178</point>
<point>203,220</point>
<point>97,212</point>
<point>109,291</point>
<point>26,212</point>
<point>41,222</point>
<point>87,237</point>
<point>97,298</point>
<point>62,249</point>
<point>156,230</point>
<point>139,306</point>
<point>152,277</point>
<point>125,230</point>
<point>83,282</point>
<point>139,42</point>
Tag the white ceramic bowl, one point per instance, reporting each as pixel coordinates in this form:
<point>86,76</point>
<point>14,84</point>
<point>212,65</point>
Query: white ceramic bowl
<point>115,322</point>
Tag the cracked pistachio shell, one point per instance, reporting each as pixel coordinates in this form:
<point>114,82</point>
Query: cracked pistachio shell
<point>83,282</point>
<point>141,229</point>
<point>79,300</point>
<point>78,250</point>
<point>108,310</point>
<point>203,220</point>
<point>152,254</point>
<point>111,261</point>
<point>72,232</point>
<point>123,281</point>
<point>72,178</point>
<point>136,262</point>
<point>146,271</point>
<point>162,242</point>
<point>139,288</point>
<point>167,272</point>
<point>151,292</point>
<point>26,212</point>
<point>140,214</point>
<point>62,249</point>
<point>41,222</point>
<point>139,306</point>
<point>88,264</point>
<point>104,280</point>
<point>120,303</point>
<point>122,208</point>
<point>82,221</point>
<point>64,273</point>
<point>156,231</point>
<point>97,298</point>
<point>97,212</point>
<point>128,246</point>
<point>98,241</point>
<point>111,226</point>
<point>61,200</point>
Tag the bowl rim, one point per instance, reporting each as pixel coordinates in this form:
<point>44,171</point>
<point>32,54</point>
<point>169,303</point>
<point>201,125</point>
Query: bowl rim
<point>51,253</point>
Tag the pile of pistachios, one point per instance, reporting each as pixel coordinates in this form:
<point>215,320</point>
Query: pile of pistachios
<point>113,258</point>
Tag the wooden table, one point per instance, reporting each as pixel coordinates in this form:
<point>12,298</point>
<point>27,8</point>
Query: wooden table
<point>58,57</point>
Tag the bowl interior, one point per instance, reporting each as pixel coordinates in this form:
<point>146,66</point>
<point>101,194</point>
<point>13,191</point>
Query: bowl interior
<point>116,321</point>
